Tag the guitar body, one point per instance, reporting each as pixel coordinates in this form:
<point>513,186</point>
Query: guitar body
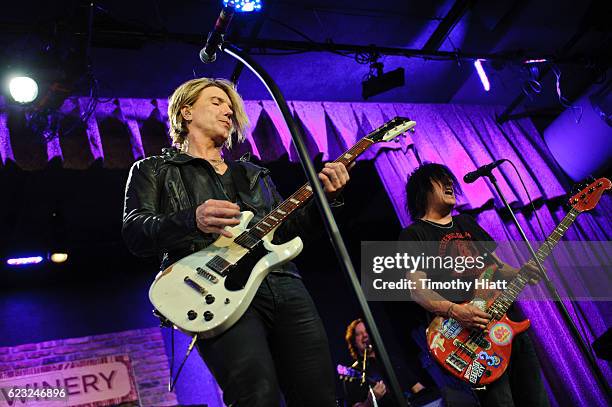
<point>199,297</point>
<point>478,361</point>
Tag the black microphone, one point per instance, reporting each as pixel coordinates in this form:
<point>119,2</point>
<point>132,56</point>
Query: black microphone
<point>208,54</point>
<point>481,171</point>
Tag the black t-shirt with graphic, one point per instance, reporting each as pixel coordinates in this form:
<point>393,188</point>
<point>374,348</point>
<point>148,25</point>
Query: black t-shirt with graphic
<point>461,237</point>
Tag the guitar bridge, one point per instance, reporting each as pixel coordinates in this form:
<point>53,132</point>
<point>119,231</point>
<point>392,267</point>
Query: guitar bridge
<point>456,362</point>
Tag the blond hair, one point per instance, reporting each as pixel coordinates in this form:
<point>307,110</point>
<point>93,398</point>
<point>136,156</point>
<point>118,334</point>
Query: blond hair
<point>187,94</point>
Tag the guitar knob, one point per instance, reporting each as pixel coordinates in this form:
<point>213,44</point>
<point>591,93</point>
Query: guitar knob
<point>591,190</point>
<point>208,316</point>
<point>191,315</point>
<point>227,301</point>
<point>209,299</point>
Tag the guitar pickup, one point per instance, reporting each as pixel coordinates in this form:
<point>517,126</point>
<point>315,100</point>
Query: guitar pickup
<point>209,276</point>
<point>465,348</point>
<point>482,342</point>
<point>247,240</point>
<point>456,362</point>
<point>219,265</point>
<point>195,285</point>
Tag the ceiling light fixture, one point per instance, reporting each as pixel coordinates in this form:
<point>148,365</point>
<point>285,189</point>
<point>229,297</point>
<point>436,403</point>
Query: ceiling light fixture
<point>482,74</point>
<point>243,6</point>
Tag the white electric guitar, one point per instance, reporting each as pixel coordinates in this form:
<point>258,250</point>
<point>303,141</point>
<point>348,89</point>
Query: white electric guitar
<point>206,292</point>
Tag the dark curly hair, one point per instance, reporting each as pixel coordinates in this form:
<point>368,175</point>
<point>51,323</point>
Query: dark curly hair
<point>419,184</point>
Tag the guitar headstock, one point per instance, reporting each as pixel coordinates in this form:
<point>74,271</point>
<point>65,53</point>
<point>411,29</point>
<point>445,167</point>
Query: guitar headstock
<point>348,374</point>
<point>391,129</point>
<point>589,196</point>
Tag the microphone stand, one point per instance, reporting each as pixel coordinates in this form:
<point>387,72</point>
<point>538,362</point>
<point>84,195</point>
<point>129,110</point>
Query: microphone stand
<point>553,292</point>
<point>328,219</point>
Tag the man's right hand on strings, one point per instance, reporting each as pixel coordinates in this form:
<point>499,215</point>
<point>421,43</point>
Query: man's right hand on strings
<point>214,215</point>
<point>469,316</point>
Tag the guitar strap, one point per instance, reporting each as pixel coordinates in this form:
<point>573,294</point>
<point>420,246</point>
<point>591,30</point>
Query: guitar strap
<point>241,182</point>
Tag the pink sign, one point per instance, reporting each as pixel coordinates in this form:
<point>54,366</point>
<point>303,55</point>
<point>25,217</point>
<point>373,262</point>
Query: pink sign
<point>96,382</point>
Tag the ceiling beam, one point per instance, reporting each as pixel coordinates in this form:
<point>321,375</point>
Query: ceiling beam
<point>114,39</point>
<point>448,23</point>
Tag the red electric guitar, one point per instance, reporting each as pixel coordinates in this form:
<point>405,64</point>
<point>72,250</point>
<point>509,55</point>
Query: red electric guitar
<point>480,358</point>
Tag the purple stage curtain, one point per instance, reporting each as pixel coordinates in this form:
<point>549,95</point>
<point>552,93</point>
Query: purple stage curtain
<point>462,137</point>
<point>123,130</point>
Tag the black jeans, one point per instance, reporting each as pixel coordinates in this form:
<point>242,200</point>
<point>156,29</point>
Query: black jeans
<point>279,344</point>
<point>521,384</point>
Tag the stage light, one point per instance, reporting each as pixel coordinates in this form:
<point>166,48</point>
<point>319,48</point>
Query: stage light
<point>382,82</point>
<point>243,6</point>
<point>23,89</point>
<point>535,61</point>
<point>23,261</point>
<point>58,257</point>
<point>482,74</point>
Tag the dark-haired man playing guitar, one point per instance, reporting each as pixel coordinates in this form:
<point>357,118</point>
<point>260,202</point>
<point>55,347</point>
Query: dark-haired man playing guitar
<point>431,191</point>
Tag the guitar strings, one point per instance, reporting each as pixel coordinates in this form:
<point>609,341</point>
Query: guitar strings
<point>541,254</point>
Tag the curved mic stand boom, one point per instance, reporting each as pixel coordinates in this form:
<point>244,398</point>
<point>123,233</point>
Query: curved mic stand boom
<point>319,196</point>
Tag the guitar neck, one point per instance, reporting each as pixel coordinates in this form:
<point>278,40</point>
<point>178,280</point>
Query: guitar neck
<point>302,195</point>
<point>500,306</point>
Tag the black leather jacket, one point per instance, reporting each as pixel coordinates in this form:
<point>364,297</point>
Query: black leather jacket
<point>163,192</point>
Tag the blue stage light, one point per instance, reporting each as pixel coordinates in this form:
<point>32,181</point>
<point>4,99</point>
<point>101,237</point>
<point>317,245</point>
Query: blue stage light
<point>24,261</point>
<point>243,6</point>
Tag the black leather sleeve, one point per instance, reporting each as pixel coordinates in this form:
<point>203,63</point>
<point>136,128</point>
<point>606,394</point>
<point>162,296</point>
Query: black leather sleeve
<point>146,230</point>
<point>305,222</point>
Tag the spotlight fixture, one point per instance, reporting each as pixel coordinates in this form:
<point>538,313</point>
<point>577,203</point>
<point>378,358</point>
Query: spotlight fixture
<point>23,89</point>
<point>380,82</point>
<point>243,6</point>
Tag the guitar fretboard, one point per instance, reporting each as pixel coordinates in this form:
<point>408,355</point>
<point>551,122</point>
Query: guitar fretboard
<point>302,195</point>
<point>501,304</point>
